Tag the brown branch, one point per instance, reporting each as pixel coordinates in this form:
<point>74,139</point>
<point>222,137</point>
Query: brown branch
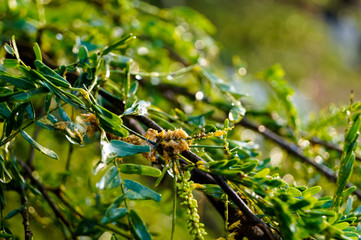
<point>25,215</point>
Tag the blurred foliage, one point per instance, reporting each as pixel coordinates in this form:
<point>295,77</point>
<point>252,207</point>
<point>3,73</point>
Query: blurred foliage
<point>81,81</point>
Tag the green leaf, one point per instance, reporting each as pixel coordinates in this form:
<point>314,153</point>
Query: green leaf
<point>341,225</point>
<point>113,214</point>
<point>299,204</point>
<point>321,212</point>
<point>109,121</point>
<point>37,52</point>
<point>117,148</point>
<point>160,178</point>
<point>22,83</point>
<point>111,179</point>
<point>5,110</point>
<point>50,75</point>
<point>311,191</point>
<point>22,96</point>
<point>9,49</point>
<point>122,43</point>
<point>294,192</point>
<point>39,147</point>
<point>129,168</point>
<point>263,173</point>
<point>137,191</point>
<point>14,212</point>
<point>138,228</point>
<point>83,54</point>
<point>11,63</point>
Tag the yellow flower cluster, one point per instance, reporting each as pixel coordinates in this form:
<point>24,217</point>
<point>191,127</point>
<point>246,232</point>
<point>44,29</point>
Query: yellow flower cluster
<point>167,143</point>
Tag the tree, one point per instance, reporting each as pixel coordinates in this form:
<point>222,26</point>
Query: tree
<point>134,91</point>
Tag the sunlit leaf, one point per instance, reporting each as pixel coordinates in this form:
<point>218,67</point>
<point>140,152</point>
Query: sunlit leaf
<point>111,179</point>
<point>39,147</point>
<point>129,168</point>
<point>37,52</point>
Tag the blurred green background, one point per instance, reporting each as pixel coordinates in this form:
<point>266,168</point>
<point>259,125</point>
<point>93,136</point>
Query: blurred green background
<point>316,41</point>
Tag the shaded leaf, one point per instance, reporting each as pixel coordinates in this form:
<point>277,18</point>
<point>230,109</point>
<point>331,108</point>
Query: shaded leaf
<point>137,191</point>
<point>15,211</point>
<point>138,228</point>
<point>22,83</point>
<point>113,214</point>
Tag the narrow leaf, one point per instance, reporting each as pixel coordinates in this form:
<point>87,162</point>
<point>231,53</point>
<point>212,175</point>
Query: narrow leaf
<point>137,191</point>
<point>11,63</point>
<point>39,147</point>
<point>111,179</point>
<point>22,83</point>
<point>9,49</point>
<point>118,148</point>
<point>113,214</point>
<point>138,228</point>
<point>122,43</point>
<point>129,168</point>
<point>37,52</point>
<point>14,212</point>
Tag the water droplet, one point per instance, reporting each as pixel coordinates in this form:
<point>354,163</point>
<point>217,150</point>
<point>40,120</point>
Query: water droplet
<point>169,77</point>
<point>59,36</point>
<point>242,71</point>
<point>199,44</point>
<point>199,95</point>
<point>154,80</point>
<point>138,77</point>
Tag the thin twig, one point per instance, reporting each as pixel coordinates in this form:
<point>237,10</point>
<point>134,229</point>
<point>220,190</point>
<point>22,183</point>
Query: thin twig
<point>25,215</point>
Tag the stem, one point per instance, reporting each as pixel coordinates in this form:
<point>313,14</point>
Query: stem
<point>206,146</point>
<point>25,215</point>
<point>174,201</point>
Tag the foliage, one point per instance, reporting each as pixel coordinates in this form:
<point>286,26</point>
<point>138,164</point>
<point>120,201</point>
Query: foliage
<point>127,77</point>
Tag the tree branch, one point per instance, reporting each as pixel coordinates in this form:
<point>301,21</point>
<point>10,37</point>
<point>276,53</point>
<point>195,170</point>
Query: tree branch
<point>25,215</point>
